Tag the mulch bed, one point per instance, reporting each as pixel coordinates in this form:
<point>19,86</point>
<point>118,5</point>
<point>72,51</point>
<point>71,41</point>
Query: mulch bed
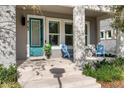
<point>115,84</point>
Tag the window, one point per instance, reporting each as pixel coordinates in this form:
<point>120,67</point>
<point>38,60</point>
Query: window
<point>69,34</point>
<point>35,32</point>
<point>102,35</point>
<point>109,34</point>
<point>54,33</point>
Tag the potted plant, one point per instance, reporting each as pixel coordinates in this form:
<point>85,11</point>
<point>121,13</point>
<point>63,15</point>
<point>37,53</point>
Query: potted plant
<point>47,50</point>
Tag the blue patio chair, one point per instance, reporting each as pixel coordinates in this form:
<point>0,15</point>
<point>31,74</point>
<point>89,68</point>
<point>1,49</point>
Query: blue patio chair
<point>64,50</point>
<point>100,50</point>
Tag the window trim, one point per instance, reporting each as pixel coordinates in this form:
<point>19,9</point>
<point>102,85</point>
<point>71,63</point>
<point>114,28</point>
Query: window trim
<point>59,34</point>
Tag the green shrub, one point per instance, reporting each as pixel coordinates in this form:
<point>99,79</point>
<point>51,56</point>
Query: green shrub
<point>108,73</point>
<point>88,70</point>
<point>118,62</point>
<point>98,64</point>
<point>47,49</point>
<point>8,74</point>
<point>105,71</point>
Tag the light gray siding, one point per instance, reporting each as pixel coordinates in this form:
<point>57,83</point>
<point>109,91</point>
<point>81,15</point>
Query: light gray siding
<point>106,24</point>
<point>110,44</point>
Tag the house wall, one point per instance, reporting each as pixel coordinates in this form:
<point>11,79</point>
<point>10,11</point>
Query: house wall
<point>109,43</point>
<point>110,46</point>
<point>21,40</point>
<point>7,35</point>
<point>21,43</point>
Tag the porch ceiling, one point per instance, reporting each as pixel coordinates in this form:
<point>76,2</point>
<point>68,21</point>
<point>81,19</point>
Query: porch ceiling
<point>50,8</point>
<point>97,13</point>
<point>64,10</point>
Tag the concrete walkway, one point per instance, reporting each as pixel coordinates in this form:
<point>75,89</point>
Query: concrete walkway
<point>53,73</point>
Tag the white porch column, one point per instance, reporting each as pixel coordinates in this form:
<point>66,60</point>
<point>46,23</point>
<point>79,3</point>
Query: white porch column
<point>79,34</point>
<point>120,44</point>
<point>7,35</point>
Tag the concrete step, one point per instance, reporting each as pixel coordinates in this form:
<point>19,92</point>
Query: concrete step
<point>66,82</point>
<point>46,75</point>
<point>96,85</point>
<point>29,75</point>
<point>50,83</point>
<point>77,82</point>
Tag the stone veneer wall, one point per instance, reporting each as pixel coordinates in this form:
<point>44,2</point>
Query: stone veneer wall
<point>79,35</point>
<point>7,35</point>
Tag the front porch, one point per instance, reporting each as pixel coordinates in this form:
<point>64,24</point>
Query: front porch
<point>72,28</point>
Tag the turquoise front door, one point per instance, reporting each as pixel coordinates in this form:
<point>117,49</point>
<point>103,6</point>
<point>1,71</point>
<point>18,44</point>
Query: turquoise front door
<point>36,37</point>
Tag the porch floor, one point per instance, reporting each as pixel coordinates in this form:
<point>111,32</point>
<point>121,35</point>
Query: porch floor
<point>53,73</point>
